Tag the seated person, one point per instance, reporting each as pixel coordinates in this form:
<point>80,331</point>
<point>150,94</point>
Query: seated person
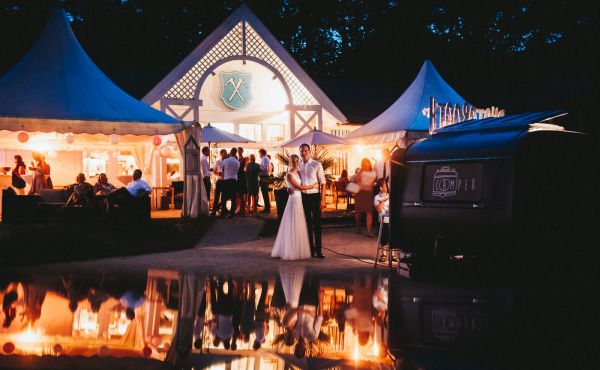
<point>136,189</point>
<point>81,192</point>
<point>382,206</point>
<point>103,187</point>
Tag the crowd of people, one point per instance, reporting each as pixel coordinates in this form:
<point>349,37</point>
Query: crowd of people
<point>239,179</point>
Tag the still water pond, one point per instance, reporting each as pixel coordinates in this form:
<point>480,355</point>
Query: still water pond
<point>289,319</point>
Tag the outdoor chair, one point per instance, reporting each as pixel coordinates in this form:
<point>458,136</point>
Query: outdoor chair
<point>340,191</point>
<point>381,247</point>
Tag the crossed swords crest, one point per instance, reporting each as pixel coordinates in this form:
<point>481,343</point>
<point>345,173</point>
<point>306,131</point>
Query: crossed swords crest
<point>235,89</point>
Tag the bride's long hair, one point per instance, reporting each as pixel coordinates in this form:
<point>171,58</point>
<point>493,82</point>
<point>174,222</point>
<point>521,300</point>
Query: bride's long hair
<point>294,159</point>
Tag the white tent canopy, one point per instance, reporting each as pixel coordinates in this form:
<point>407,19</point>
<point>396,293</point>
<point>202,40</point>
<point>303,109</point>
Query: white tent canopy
<point>410,113</point>
<point>314,137</point>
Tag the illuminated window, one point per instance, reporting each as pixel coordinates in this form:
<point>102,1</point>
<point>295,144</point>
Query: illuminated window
<point>250,131</point>
<point>275,133</point>
<point>95,164</point>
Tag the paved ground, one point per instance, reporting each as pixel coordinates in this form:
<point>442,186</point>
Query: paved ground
<point>233,247</point>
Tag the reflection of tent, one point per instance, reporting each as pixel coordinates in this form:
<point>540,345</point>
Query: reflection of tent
<point>410,112</point>
<point>56,87</point>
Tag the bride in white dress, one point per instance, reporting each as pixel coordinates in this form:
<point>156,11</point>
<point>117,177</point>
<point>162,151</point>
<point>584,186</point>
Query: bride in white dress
<point>292,237</point>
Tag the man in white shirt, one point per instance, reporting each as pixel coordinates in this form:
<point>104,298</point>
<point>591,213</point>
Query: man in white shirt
<point>313,200</point>
<point>138,187</point>
<point>231,166</point>
<point>382,166</point>
<point>265,166</point>
<point>218,172</point>
<point>205,171</point>
<point>134,190</point>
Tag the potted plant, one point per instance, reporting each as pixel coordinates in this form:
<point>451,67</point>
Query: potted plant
<point>319,153</point>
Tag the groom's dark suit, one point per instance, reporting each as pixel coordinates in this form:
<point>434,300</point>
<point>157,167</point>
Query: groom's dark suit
<point>311,173</point>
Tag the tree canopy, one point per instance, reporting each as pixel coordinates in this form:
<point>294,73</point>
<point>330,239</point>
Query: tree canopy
<point>520,55</point>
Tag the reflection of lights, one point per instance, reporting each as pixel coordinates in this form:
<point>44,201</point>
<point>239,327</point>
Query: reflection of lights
<point>375,346</point>
<point>356,353</point>
<point>29,336</point>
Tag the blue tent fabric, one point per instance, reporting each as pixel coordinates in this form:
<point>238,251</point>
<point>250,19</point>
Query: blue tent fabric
<point>490,137</point>
<point>513,121</point>
<point>410,111</point>
<point>57,87</point>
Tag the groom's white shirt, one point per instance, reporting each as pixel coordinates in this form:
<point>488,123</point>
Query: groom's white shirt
<point>311,173</point>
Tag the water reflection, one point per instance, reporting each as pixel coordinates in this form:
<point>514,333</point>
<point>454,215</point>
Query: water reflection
<point>291,318</point>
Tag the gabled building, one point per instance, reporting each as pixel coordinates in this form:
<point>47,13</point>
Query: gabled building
<point>242,80</point>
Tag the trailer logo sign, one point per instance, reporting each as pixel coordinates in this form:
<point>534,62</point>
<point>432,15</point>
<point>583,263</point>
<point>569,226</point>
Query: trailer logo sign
<point>445,181</point>
<point>460,182</point>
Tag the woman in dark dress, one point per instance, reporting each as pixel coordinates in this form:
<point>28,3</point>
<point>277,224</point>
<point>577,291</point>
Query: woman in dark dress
<point>18,183</point>
<point>253,184</point>
<point>242,186</point>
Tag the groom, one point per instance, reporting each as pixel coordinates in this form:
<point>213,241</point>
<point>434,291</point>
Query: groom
<point>311,172</point>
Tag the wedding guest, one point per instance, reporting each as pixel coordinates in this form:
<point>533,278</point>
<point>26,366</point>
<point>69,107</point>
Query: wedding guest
<point>242,185</point>
<point>102,186</point>
<point>356,172</point>
<point>218,172</point>
<point>364,198</point>
<point>41,177</point>
<point>81,192</point>
<point>230,168</point>
<point>18,183</point>
<point>382,206</point>
<point>132,300</point>
<point>200,321</point>
<point>261,318</point>
<point>221,305</point>
<point>205,171</point>
<point>252,173</point>
<point>265,169</point>
<point>135,189</point>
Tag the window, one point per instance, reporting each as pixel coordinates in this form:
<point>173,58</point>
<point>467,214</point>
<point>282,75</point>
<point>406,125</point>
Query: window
<point>275,133</point>
<point>229,127</point>
<point>95,164</point>
<point>251,131</point>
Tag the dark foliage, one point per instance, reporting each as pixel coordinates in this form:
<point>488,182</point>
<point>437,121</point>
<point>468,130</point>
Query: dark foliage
<point>519,55</point>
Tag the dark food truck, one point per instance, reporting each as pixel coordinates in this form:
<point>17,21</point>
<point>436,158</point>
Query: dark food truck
<point>493,189</point>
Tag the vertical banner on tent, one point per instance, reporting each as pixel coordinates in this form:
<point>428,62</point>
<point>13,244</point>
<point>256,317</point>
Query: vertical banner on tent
<point>194,201</point>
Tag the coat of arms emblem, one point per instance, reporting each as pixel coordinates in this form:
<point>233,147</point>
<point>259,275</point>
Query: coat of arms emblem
<point>235,89</point>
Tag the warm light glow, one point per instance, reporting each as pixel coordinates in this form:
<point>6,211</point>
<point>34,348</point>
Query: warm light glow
<point>359,149</point>
<point>356,353</point>
<point>378,155</point>
<point>29,336</point>
<point>375,346</point>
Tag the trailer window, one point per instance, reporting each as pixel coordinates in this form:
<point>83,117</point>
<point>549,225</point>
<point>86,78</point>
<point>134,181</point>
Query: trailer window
<point>453,182</point>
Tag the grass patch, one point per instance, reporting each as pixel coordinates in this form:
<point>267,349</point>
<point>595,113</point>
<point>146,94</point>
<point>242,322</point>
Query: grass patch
<point>59,241</point>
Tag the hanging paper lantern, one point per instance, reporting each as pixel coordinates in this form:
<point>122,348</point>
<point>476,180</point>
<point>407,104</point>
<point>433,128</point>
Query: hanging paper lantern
<point>52,154</point>
<point>157,140</point>
<point>8,347</point>
<point>70,139</point>
<point>85,154</point>
<point>147,351</point>
<point>103,351</point>
<point>23,137</point>
<point>114,139</point>
<point>57,349</point>
<point>166,152</point>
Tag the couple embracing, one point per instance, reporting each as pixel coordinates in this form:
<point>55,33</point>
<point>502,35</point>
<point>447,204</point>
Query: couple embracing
<point>299,234</point>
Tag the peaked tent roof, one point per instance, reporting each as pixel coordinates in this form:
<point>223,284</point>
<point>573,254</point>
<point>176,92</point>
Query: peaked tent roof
<point>56,87</point>
<point>243,13</point>
<point>406,114</point>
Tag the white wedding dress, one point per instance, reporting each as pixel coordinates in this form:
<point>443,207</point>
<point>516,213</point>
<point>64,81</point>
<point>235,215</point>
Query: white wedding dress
<point>292,237</point>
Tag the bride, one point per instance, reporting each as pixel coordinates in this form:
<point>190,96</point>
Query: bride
<point>292,237</point>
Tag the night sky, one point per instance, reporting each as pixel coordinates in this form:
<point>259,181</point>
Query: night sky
<point>519,55</point>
